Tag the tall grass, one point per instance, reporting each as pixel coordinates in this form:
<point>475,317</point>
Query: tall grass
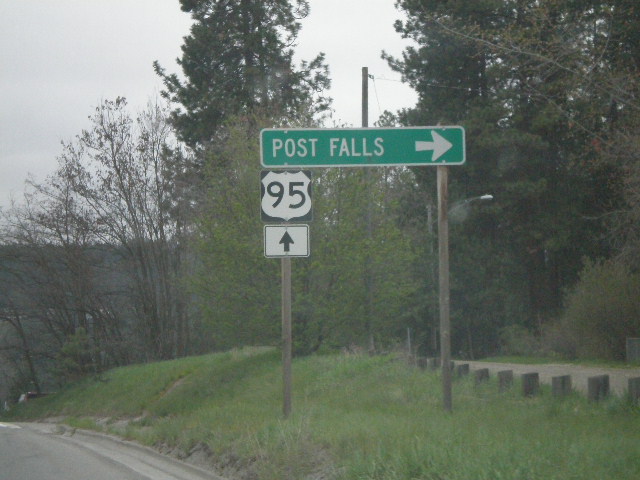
<point>356,417</point>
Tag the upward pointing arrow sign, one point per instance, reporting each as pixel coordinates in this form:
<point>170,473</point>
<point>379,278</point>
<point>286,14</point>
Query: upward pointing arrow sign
<point>439,145</point>
<point>286,241</point>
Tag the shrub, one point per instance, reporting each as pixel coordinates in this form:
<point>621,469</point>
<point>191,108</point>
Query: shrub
<point>558,338</point>
<point>603,310</point>
<point>74,360</point>
<point>518,340</point>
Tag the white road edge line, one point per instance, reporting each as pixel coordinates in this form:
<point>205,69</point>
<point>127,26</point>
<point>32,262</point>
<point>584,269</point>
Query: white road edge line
<point>8,425</point>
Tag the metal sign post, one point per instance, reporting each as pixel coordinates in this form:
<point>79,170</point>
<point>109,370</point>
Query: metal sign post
<point>286,336</point>
<point>286,195</point>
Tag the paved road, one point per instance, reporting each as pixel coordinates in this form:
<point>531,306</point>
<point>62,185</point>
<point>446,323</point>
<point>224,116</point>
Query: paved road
<point>618,377</point>
<point>37,452</point>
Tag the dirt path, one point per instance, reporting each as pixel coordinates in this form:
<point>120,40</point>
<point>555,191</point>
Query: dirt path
<point>618,377</point>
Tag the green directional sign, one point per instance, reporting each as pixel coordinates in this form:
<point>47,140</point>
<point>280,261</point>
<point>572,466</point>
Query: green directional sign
<point>361,147</point>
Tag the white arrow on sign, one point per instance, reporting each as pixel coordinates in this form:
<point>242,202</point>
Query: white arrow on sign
<point>439,145</point>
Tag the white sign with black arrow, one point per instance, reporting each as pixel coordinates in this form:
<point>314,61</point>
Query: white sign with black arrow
<point>286,241</point>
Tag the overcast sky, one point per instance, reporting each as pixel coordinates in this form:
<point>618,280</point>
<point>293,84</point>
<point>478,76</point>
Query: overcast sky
<point>60,58</point>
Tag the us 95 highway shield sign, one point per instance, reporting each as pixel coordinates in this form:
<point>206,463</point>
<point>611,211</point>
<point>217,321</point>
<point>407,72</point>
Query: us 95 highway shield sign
<point>285,195</point>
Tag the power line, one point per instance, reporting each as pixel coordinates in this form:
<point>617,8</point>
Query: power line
<point>375,89</point>
<point>428,84</point>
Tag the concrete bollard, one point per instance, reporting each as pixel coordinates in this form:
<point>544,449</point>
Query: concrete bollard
<point>505,380</point>
<point>530,384</point>
<point>462,370</point>
<point>634,390</point>
<point>561,385</point>
<point>481,375</point>
<point>598,387</point>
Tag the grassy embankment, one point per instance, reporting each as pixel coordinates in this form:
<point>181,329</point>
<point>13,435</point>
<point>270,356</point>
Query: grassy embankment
<point>355,417</point>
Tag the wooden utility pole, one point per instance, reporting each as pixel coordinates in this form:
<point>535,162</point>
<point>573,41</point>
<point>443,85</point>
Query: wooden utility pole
<point>286,336</point>
<point>368,274</point>
<point>443,253</point>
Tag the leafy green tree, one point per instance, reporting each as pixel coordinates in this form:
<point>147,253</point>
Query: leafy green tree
<point>239,58</point>
<point>237,289</point>
<point>355,239</point>
<point>603,310</point>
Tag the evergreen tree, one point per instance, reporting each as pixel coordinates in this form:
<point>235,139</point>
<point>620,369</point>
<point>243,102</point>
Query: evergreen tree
<point>518,76</point>
<point>238,58</point>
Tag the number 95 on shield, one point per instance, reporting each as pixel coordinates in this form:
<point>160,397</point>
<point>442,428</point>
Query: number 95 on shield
<point>285,195</point>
